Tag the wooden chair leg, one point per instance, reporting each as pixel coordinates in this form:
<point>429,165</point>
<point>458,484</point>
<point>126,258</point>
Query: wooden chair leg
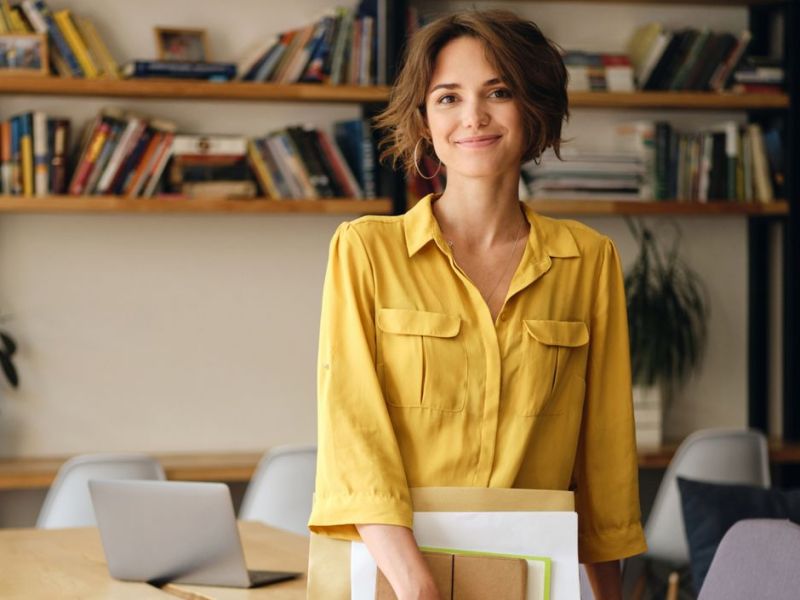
<point>674,586</point>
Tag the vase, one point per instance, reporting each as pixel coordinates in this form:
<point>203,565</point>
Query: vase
<point>648,414</point>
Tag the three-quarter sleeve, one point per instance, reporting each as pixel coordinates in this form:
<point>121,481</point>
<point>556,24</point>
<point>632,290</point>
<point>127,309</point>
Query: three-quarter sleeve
<point>360,475</point>
<point>606,467</point>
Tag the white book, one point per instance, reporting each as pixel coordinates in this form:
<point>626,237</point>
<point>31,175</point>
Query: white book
<point>281,157</point>
<point>209,144</point>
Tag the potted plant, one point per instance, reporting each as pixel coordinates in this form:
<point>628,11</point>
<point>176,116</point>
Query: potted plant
<point>667,320</point>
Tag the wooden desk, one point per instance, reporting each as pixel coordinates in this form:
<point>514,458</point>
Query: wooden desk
<point>69,563</point>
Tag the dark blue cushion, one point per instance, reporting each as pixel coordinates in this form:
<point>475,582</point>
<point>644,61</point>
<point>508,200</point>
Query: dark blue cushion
<point>710,509</point>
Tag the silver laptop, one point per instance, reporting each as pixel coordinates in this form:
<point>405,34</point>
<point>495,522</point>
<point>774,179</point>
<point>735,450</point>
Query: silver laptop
<point>172,531</point>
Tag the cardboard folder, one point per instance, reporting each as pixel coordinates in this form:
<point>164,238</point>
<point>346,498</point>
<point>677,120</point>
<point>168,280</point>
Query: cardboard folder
<point>329,559</point>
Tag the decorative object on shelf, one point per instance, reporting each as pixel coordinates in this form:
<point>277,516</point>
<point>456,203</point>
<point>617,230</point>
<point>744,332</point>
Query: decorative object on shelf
<point>189,45</point>
<point>23,54</point>
<point>667,319</point>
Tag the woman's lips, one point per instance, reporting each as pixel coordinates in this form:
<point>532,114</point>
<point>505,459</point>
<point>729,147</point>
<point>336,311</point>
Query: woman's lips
<point>478,141</point>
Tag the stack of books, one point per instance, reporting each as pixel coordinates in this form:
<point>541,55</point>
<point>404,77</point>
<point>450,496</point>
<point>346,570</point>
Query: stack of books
<point>685,59</point>
<point>33,154</point>
<point>76,49</point>
<point>726,161</point>
<point>305,162</point>
<point>122,153</point>
<point>587,175</point>
<point>346,46</point>
<point>759,75</point>
<point>598,72</point>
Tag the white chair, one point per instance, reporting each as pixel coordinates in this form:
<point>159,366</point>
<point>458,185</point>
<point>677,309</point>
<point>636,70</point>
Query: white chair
<point>68,503</point>
<point>281,490</point>
<point>715,455</point>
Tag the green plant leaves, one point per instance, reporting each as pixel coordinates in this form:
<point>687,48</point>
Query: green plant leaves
<point>667,312</point>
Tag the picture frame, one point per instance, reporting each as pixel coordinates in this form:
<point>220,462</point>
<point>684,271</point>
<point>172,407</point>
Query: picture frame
<point>180,44</point>
<point>24,54</point>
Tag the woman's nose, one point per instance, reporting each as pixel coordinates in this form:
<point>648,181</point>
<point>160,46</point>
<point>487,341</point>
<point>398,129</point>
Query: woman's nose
<point>475,115</point>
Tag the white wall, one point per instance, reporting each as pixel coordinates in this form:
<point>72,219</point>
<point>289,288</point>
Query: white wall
<point>183,332</point>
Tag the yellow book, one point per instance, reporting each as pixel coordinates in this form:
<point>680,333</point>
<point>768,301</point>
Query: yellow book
<point>64,21</point>
<point>26,158</point>
<point>19,24</point>
<point>5,11</point>
<point>99,50</point>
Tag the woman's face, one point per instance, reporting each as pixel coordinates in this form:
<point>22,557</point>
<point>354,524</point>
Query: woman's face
<point>474,122</point>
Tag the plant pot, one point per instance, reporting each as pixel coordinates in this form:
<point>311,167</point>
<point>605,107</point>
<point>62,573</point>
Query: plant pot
<point>648,412</point>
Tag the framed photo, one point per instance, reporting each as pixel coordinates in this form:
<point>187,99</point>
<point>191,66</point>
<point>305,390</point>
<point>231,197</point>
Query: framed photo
<point>23,54</point>
<point>182,44</point>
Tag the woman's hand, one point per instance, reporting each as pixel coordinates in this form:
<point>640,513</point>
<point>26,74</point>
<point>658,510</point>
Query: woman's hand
<point>396,552</point>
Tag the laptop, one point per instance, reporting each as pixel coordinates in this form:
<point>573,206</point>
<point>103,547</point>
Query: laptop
<point>173,532</point>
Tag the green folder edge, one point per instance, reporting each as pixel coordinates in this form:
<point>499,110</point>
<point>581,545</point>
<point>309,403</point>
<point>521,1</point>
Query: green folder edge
<point>546,560</point>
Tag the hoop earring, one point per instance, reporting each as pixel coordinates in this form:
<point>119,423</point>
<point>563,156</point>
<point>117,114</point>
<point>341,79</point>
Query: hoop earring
<point>416,165</point>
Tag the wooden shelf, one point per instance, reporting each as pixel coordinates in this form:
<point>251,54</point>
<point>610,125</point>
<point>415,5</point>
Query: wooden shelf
<point>37,473</point>
<point>644,208</point>
<point>309,92</point>
<point>382,206</point>
<point>117,204</point>
<point>194,90</point>
<point>678,100</point>
<point>668,2</point>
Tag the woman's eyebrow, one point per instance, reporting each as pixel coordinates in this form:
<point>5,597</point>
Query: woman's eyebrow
<point>454,86</point>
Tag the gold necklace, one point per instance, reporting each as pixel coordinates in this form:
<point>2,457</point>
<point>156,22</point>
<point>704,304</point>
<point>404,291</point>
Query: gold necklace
<point>508,262</point>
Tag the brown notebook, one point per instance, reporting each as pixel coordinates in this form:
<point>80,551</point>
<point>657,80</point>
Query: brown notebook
<point>441,566</point>
<point>481,577</point>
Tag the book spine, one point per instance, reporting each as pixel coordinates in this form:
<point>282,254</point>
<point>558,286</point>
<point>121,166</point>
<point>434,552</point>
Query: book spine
<point>209,145</point>
<point>761,177</point>
<point>5,157</point>
<point>145,165</point>
<point>347,180</point>
<point>44,16</point>
<point>259,168</point>
<point>273,169</point>
<point>296,164</point>
<point>315,69</point>
<point>131,161</point>
<point>282,159</point>
<point>40,158</point>
<point>58,160</point>
<point>15,172</point>
<point>109,66</point>
<point>340,51</point>
<point>164,155</point>
<point>26,153</point>
<point>63,19</point>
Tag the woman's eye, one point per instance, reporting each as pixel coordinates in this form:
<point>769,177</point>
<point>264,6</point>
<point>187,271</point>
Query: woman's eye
<point>447,99</point>
<point>501,93</point>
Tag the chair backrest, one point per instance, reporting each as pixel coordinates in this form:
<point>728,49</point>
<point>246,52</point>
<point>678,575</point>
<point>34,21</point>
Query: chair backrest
<point>757,558</point>
<point>281,490</point>
<point>68,503</point>
<point>714,455</point>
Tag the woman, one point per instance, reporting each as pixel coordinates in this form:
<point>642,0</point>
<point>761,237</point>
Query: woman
<point>472,342</point>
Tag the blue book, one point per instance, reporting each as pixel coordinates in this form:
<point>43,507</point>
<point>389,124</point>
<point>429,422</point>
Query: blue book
<point>56,36</point>
<point>180,70</point>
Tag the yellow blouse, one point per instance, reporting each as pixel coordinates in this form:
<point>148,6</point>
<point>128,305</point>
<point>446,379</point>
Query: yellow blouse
<point>417,386</point>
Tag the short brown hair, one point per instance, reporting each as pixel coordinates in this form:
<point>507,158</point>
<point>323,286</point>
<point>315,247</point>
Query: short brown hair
<point>528,62</point>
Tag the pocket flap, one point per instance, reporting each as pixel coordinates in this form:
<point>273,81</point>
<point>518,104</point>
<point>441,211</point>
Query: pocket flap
<point>558,333</point>
<point>418,322</point>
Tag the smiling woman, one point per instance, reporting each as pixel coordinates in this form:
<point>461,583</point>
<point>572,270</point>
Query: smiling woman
<point>472,342</point>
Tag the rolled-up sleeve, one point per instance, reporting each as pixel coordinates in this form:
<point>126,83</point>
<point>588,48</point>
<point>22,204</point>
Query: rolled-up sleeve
<point>606,467</point>
<point>360,475</point>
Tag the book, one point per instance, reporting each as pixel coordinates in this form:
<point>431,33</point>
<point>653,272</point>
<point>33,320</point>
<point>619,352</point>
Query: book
<point>76,43</point>
<point>162,158</point>
<point>262,172</point>
<point>146,164</point>
<point>99,52</point>
<point>26,152</point>
<point>245,69</point>
<point>219,189</point>
<point>41,166</point>
<point>179,70</point>
<point>355,141</point>
<point>43,21</point>
<point>281,158</point>
<point>284,191</point>
<point>5,157</point>
<point>59,145</point>
<point>135,126</point>
<point>342,173</point>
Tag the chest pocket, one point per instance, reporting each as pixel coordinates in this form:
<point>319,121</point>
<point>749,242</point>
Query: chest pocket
<point>421,362</point>
<point>554,355</point>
